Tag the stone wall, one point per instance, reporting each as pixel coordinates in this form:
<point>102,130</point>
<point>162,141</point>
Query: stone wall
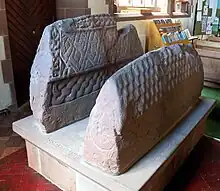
<point>7,92</point>
<point>72,8</point>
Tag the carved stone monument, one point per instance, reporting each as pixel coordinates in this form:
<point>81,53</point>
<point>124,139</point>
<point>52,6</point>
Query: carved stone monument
<point>142,103</point>
<point>74,59</point>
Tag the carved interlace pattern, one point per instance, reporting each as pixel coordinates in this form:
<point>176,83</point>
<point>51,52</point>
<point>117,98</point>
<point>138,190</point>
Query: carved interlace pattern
<point>90,21</point>
<point>79,44</point>
<point>74,59</point>
<point>70,89</point>
<point>86,52</point>
<point>58,65</point>
<point>149,77</point>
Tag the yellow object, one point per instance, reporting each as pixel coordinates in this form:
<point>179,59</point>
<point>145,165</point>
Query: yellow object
<point>155,35</point>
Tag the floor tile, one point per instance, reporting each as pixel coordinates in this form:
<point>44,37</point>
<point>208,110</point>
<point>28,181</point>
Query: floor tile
<point>5,131</point>
<point>2,147</point>
<point>15,175</point>
<point>15,134</point>
<point>198,184</point>
<point>9,150</point>
<point>14,141</point>
<point>201,170</point>
<point>4,138</point>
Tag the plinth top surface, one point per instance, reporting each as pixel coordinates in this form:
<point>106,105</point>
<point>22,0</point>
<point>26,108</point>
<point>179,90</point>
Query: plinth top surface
<point>66,145</point>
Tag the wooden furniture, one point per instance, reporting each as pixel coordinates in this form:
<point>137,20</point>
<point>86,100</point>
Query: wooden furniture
<point>157,31</point>
<point>58,156</point>
<point>209,50</point>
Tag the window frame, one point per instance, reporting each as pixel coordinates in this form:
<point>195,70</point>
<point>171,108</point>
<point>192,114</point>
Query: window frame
<point>170,13</point>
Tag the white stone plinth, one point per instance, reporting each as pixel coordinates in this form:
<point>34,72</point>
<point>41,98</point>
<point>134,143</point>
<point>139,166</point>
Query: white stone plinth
<point>58,156</point>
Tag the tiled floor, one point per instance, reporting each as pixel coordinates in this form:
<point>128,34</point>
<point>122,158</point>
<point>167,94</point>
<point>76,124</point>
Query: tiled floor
<point>200,172</point>
<point>9,142</point>
<point>15,175</point>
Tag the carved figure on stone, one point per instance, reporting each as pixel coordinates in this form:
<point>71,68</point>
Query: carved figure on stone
<point>142,103</point>
<point>74,59</point>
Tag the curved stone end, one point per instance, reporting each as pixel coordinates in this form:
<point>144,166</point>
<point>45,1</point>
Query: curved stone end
<point>139,105</point>
<point>103,130</point>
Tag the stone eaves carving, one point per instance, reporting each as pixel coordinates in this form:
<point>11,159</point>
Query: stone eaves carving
<point>142,102</point>
<point>74,59</point>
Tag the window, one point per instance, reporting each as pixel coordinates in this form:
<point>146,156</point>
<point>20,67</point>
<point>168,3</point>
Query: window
<point>181,7</point>
<point>142,6</point>
<point>137,3</point>
<point>152,7</point>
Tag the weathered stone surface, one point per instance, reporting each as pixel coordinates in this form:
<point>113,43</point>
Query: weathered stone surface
<point>74,59</point>
<point>142,102</point>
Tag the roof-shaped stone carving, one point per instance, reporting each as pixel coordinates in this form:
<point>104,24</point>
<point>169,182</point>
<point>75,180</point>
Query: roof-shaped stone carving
<point>140,104</point>
<point>74,59</point>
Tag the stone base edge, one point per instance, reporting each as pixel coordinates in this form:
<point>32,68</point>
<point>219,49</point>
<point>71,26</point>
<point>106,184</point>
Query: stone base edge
<point>67,179</point>
<point>52,169</point>
<point>171,166</point>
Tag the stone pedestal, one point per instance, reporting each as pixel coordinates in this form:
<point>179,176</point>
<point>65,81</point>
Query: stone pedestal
<point>58,156</point>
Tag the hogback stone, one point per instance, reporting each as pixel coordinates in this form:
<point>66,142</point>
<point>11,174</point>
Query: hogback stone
<point>142,103</point>
<point>74,59</point>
